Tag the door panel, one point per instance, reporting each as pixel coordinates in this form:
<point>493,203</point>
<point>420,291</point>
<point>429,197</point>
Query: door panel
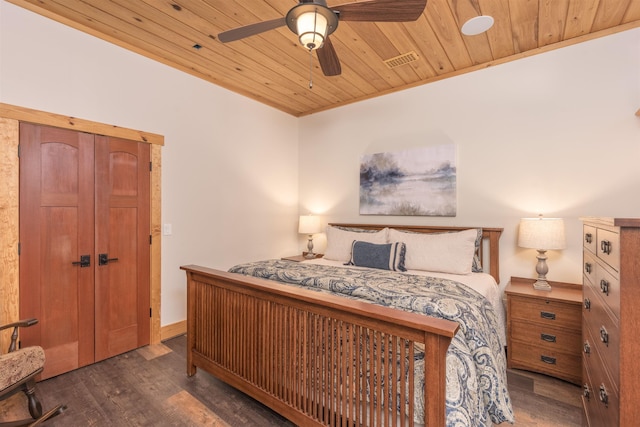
<point>56,228</point>
<point>82,194</point>
<point>122,232</point>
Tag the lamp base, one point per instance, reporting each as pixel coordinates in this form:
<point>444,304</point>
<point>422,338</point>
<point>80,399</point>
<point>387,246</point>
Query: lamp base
<point>309,255</point>
<point>542,285</point>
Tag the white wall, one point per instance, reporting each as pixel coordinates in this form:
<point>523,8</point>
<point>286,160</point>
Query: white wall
<point>554,134</point>
<point>229,172</point>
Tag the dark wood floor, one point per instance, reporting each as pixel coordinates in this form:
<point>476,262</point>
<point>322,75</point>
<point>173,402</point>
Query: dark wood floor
<point>149,387</point>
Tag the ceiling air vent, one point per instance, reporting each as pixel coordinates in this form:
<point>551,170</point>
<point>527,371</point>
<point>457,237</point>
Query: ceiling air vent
<point>403,59</point>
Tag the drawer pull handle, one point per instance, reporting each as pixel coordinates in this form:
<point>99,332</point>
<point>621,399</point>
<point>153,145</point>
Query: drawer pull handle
<point>587,347</point>
<point>588,238</point>
<point>548,338</point>
<point>548,359</point>
<point>605,247</point>
<point>604,335</point>
<point>604,287</point>
<point>603,395</point>
<point>547,315</point>
<point>587,304</point>
<point>586,392</point>
<point>587,267</point>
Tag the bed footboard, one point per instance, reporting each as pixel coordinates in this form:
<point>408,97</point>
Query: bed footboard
<point>316,359</point>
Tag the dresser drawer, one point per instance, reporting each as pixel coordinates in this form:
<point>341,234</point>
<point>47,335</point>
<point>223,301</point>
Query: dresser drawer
<point>589,265</point>
<point>545,312</point>
<point>589,238</point>
<point>546,337</point>
<point>608,286</point>
<point>592,414</point>
<point>543,360</point>
<point>608,248</point>
<point>603,391</point>
<point>605,335</point>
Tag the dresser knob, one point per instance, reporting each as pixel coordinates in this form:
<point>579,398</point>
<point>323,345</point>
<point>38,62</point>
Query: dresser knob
<point>588,238</point>
<point>587,304</point>
<point>587,267</point>
<point>604,335</point>
<point>604,397</point>
<point>605,247</point>
<point>586,392</point>
<point>587,347</point>
<point>604,287</point>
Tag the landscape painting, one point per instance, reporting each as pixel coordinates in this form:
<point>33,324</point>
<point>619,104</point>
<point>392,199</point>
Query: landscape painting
<point>416,182</point>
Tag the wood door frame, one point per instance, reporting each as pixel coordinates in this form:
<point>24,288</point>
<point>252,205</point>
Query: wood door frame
<point>10,118</point>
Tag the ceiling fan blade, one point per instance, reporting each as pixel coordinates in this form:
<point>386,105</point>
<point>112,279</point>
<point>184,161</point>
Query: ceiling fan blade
<point>251,30</point>
<point>381,10</point>
<point>328,59</point>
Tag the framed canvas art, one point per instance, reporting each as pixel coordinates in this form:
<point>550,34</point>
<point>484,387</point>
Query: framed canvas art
<point>416,182</point>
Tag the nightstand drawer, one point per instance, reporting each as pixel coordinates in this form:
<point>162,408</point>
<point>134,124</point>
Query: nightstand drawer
<point>556,363</point>
<point>546,337</point>
<point>545,312</point>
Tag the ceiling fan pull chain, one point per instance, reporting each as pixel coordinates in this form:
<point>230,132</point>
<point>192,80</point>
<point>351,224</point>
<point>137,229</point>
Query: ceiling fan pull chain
<point>310,69</point>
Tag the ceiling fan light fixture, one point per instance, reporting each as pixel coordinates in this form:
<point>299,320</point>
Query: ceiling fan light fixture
<point>312,22</point>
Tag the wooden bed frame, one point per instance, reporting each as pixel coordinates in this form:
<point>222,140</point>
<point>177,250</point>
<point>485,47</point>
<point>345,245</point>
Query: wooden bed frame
<point>302,353</point>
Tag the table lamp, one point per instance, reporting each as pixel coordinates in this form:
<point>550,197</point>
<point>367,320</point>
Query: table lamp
<point>542,234</point>
<point>309,225</point>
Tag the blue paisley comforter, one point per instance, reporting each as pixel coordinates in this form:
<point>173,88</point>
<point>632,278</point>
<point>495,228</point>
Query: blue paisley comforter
<point>476,391</point>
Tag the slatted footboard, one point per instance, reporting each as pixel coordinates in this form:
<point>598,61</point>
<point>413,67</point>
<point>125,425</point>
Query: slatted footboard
<point>314,358</point>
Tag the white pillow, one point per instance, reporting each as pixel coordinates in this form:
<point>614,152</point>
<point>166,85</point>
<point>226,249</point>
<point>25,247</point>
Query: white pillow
<point>339,241</point>
<point>444,252</point>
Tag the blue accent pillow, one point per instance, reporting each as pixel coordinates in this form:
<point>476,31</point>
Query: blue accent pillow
<point>388,256</point>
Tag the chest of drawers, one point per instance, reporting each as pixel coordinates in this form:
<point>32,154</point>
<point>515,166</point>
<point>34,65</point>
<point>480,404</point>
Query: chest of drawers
<point>611,321</point>
<point>544,329</point>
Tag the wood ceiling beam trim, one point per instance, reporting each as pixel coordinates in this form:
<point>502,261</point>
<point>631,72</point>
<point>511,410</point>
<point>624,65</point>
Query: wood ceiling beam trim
<point>69,122</point>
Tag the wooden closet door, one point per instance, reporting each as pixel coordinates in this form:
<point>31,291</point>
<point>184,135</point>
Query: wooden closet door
<point>56,229</point>
<point>122,237</point>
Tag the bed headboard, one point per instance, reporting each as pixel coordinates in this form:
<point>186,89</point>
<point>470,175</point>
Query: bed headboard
<point>491,236</point>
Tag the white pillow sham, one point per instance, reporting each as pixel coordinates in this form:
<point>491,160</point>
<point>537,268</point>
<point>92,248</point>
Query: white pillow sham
<point>339,241</point>
<point>444,252</point>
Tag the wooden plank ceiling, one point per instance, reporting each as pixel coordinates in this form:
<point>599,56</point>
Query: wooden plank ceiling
<point>274,69</point>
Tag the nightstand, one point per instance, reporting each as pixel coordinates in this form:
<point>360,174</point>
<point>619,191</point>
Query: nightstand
<point>544,329</point>
<point>299,258</point>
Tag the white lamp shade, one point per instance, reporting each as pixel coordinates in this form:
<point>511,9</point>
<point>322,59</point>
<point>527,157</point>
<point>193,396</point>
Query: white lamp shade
<point>312,29</point>
<point>542,233</point>
<point>309,224</point>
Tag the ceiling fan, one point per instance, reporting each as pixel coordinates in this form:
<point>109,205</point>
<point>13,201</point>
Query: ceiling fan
<point>313,22</point>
